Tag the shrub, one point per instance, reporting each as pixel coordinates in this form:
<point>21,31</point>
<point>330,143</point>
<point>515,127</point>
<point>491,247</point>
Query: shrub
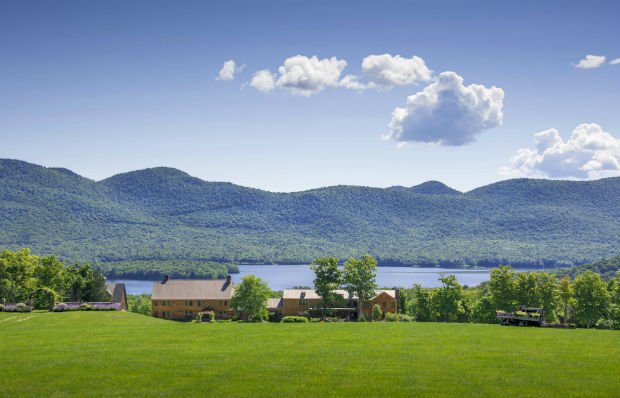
<point>61,307</point>
<point>1,307</point>
<point>19,307</point>
<point>361,317</point>
<point>105,307</point>
<point>315,319</point>
<point>274,316</point>
<point>85,307</point>
<point>391,317</point>
<point>294,319</point>
<point>376,313</point>
<point>604,324</point>
<point>405,318</point>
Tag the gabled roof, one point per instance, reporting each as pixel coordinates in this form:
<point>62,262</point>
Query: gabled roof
<point>310,294</point>
<point>115,290</point>
<point>274,303</point>
<point>192,289</point>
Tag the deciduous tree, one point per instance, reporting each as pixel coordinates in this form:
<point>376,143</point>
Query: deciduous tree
<point>250,298</point>
<point>359,278</point>
<point>327,279</point>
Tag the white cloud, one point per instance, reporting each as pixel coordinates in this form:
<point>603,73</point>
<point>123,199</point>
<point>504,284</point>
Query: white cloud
<point>591,61</point>
<point>447,112</point>
<point>229,69</point>
<point>351,82</point>
<point>263,80</point>
<point>307,76</point>
<point>388,71</point>
<point>614,61</point>
<point>589,152</point>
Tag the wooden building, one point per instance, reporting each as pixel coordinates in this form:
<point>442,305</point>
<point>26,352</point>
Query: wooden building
<point>184,298</point>
<point>303,301</point>
<point>117,294</point>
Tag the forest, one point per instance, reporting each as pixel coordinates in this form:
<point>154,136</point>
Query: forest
<point>168,221</point>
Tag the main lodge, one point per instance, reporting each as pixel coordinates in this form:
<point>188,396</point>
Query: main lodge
<point>184,298</point>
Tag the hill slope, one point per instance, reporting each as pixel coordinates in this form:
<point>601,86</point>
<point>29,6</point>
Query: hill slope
<point>607,268</point>
<point>165,214</point>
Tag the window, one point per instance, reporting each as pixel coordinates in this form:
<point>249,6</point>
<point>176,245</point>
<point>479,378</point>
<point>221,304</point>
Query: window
<point>155,303</point>
<point>303,302</point>
<point>168,314</point>
<point>155,314</point>
<point>393,305</point>
<point>168,303</point>
<point>366,304</point>
<point>221,303</point>
<point>383,305</point>
<point>225,303</point>
<point>186,303</point>
<point>191,303</point>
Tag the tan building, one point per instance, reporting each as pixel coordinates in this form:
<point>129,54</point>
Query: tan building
<point>301,301</point>
<point>117,294</point>
<point>184,298</point>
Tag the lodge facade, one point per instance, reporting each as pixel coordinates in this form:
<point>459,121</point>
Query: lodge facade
<point>184,298</point>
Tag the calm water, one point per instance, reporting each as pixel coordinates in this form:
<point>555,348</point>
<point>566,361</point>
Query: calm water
<point>280,277</point>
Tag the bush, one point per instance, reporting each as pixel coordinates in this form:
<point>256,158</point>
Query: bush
<point>294,319</point>
<point>604,324</point>
<point>1,307</point>
<point>405,318</point>
<point>361,317</point>
<point>105,307</point>
<point>274,316</point>
<point>376,313</point>
<point>315,319</point>
<point>391,317</point>
<point>62,307</point>
<point>19,307</point>
<point>85,307</point>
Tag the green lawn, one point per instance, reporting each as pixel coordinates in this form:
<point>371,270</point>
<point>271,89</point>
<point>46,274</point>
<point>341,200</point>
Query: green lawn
<point>107,354</point>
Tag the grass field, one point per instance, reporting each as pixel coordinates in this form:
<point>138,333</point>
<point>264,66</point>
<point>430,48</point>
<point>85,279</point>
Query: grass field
<point>109,354</point>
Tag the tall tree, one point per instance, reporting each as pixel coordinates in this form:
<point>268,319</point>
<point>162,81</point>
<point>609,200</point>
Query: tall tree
<point>449,297</point>
<point>250,298</point>
<point>17,275</point>
<point>526,289</point>
<point>565,293</point>
<point>422,304</point>
<point>327,279</point>
<point>591,297</point>
<point>546,292</point>
<point>503,288</point>
<point>359,278</point>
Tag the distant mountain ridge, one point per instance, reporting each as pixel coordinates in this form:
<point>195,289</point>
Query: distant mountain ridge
<point>166,214</point>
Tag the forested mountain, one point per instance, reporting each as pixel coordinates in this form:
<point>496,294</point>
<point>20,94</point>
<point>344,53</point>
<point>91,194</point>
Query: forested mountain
<point>165,214</point>
<point>607,268</point>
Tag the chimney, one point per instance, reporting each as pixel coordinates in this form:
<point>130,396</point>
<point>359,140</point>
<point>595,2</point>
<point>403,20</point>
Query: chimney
<point>228,279</point>
<point>165,279</point>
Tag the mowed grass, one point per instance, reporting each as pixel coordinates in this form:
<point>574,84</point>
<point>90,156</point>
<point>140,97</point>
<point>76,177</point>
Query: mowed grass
<point>109,354</point>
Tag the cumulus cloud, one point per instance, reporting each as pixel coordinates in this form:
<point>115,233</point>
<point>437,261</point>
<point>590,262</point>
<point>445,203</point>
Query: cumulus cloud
<point>388,71</point>
<point>447,113</point>
<point>614,61</point>
<point>589,152</point>
<point>591,61</point>
<point>229,69</point>
<point>263,80</point>
<point>351,82</point>
<point>306,76</point>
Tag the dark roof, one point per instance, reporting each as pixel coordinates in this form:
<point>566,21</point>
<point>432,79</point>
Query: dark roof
<point>192,289</point>
<point>115,290</point>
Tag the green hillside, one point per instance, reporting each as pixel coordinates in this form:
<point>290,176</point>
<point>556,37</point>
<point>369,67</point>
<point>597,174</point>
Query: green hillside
<point>120,354</point>
<point>607,268</point>
<point>164,214</point>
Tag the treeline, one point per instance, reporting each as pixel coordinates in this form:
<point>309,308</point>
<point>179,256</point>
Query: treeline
<point>156,269</point>
<point>587,301</point>
<point>607,268</point>
<point>46,280</point>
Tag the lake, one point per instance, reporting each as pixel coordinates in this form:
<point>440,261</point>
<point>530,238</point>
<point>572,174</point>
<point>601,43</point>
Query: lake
<point>280,277</point>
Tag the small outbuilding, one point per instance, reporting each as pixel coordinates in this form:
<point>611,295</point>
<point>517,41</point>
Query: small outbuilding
<point>117,294</point>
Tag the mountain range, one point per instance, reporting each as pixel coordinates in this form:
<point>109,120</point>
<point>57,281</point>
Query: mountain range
<point>164,214</point>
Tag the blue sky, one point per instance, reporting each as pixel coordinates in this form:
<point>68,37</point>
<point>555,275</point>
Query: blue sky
<point>108,87</point>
